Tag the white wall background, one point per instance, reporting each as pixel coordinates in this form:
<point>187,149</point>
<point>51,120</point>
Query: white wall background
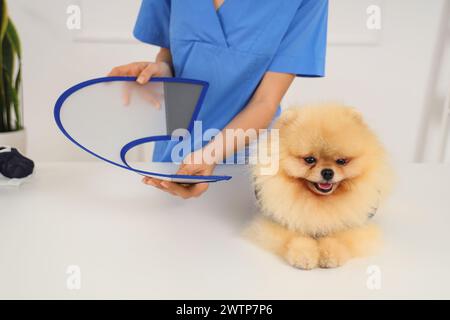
<point>383,73</point>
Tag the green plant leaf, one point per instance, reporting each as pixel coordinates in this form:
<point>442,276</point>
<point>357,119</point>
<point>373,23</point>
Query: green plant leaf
<point>14,98</point>
<point>3,26</point>
<point>4,18</point>
<point>10,77</point>
<point>3,105</point>
<point>8,57</point>
<point>8,97</point>
<point>11,33</point>
<point>14,39</point>
<point>18,78</point>
<point>7,73</point>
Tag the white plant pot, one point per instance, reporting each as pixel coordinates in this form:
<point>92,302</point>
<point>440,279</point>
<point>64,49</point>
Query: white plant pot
<point>15,139</point>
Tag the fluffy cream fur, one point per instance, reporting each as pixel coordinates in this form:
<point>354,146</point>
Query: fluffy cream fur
<point>307,228</point>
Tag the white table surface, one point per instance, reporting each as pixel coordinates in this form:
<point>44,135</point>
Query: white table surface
<point>131,241</point>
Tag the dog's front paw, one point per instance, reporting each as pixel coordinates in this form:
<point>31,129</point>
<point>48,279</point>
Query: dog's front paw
<point>333,253</point>
<point>303,253</point>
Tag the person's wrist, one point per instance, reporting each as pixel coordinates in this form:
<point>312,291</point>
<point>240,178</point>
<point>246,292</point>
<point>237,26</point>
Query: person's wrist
<point>211,155</point>
<point>166,68</point>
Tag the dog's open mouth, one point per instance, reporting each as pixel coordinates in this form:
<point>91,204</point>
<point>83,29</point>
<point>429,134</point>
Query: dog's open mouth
<point>322,188</point>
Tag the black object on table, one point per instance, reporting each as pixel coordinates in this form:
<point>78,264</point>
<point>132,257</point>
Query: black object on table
<point>14,165</point>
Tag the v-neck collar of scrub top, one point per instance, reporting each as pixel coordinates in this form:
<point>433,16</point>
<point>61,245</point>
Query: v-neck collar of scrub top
<point>215,17</point>
<point>219,7</point>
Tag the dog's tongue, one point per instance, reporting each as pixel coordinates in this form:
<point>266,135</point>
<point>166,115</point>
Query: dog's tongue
<point>325,186</point>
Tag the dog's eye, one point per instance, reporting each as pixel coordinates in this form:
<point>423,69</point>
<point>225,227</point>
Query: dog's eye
<point>310,160</point>
<point>342,162</point>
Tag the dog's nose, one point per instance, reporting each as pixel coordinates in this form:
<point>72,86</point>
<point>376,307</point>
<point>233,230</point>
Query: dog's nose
<point>327,174</point>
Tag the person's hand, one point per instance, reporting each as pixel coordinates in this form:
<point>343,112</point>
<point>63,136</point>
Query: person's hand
<point>190,166</point>
<point>144,71</point>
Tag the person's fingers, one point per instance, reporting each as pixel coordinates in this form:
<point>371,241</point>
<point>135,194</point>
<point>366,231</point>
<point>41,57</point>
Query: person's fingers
<point>183,169</point>
<point>153,94</point>
<point>181,191</point>
<point>132,70</point>
<point>152,182</point>
<point>144,77</point>
<point>173,187</point>
<point>122,71</point>
<point>199,189</point>
<point>152,99</point>
<point>147,73</point>
<point>115,72</point>
<point>126,93</point>
<point>187,169</point>
<point>186,191</point>
<point>148,181</point>
<point>157,184</point>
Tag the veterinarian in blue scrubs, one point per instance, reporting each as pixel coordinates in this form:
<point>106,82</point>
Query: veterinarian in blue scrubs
<point>249,51</point>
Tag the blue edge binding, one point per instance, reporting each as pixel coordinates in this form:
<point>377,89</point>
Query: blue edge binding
<point>138,142</point>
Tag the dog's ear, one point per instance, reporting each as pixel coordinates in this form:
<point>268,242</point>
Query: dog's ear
<point>355,114</point>
<point>287,116</point>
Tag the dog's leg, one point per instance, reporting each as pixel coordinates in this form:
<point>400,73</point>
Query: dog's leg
<point>337,249</point>
<point>269,235</point>
<point>299,251</point>
<point>303,253</point>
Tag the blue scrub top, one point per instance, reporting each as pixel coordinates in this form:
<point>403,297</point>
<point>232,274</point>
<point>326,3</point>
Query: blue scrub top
<point>233,47</point>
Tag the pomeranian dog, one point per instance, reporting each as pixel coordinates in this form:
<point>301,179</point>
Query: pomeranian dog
<point>333,173</point>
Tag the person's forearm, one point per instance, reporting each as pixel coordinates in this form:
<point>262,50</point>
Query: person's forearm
<point>255,116</point>
<point>165,56</point>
